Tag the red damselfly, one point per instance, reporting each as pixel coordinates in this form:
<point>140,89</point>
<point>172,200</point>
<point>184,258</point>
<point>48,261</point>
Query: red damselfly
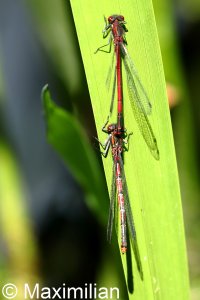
<point>118,142</point>
<point>115,27</point>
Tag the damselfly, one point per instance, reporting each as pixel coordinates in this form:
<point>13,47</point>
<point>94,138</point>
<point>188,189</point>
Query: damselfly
<point>115,27</point>
<point>118,142</point>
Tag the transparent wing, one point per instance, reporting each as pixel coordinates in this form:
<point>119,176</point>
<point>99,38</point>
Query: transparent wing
<point>129,215</point>
<point>142,100</point>
<point>112,206</point>
<point>111,71</point>
<point>130,221</point>
<point>140,113</point>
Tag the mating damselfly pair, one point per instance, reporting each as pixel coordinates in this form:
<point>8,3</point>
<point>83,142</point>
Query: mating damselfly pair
<point>118,137</point>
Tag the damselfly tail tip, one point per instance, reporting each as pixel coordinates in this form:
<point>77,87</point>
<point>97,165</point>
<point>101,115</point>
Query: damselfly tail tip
<point>123,250</point>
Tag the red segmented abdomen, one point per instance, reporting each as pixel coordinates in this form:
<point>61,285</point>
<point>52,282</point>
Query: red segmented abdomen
<point>119,87</point>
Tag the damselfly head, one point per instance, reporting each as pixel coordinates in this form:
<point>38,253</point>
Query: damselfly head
<point>112,18</point>
<point>111,128</point>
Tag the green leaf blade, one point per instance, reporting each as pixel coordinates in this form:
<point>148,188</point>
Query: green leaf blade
<point>153,185</point>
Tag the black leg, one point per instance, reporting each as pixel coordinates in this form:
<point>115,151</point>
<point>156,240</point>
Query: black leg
<point>105,146</point>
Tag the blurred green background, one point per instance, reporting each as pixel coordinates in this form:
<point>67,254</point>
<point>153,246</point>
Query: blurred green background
<point>48,233</point>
